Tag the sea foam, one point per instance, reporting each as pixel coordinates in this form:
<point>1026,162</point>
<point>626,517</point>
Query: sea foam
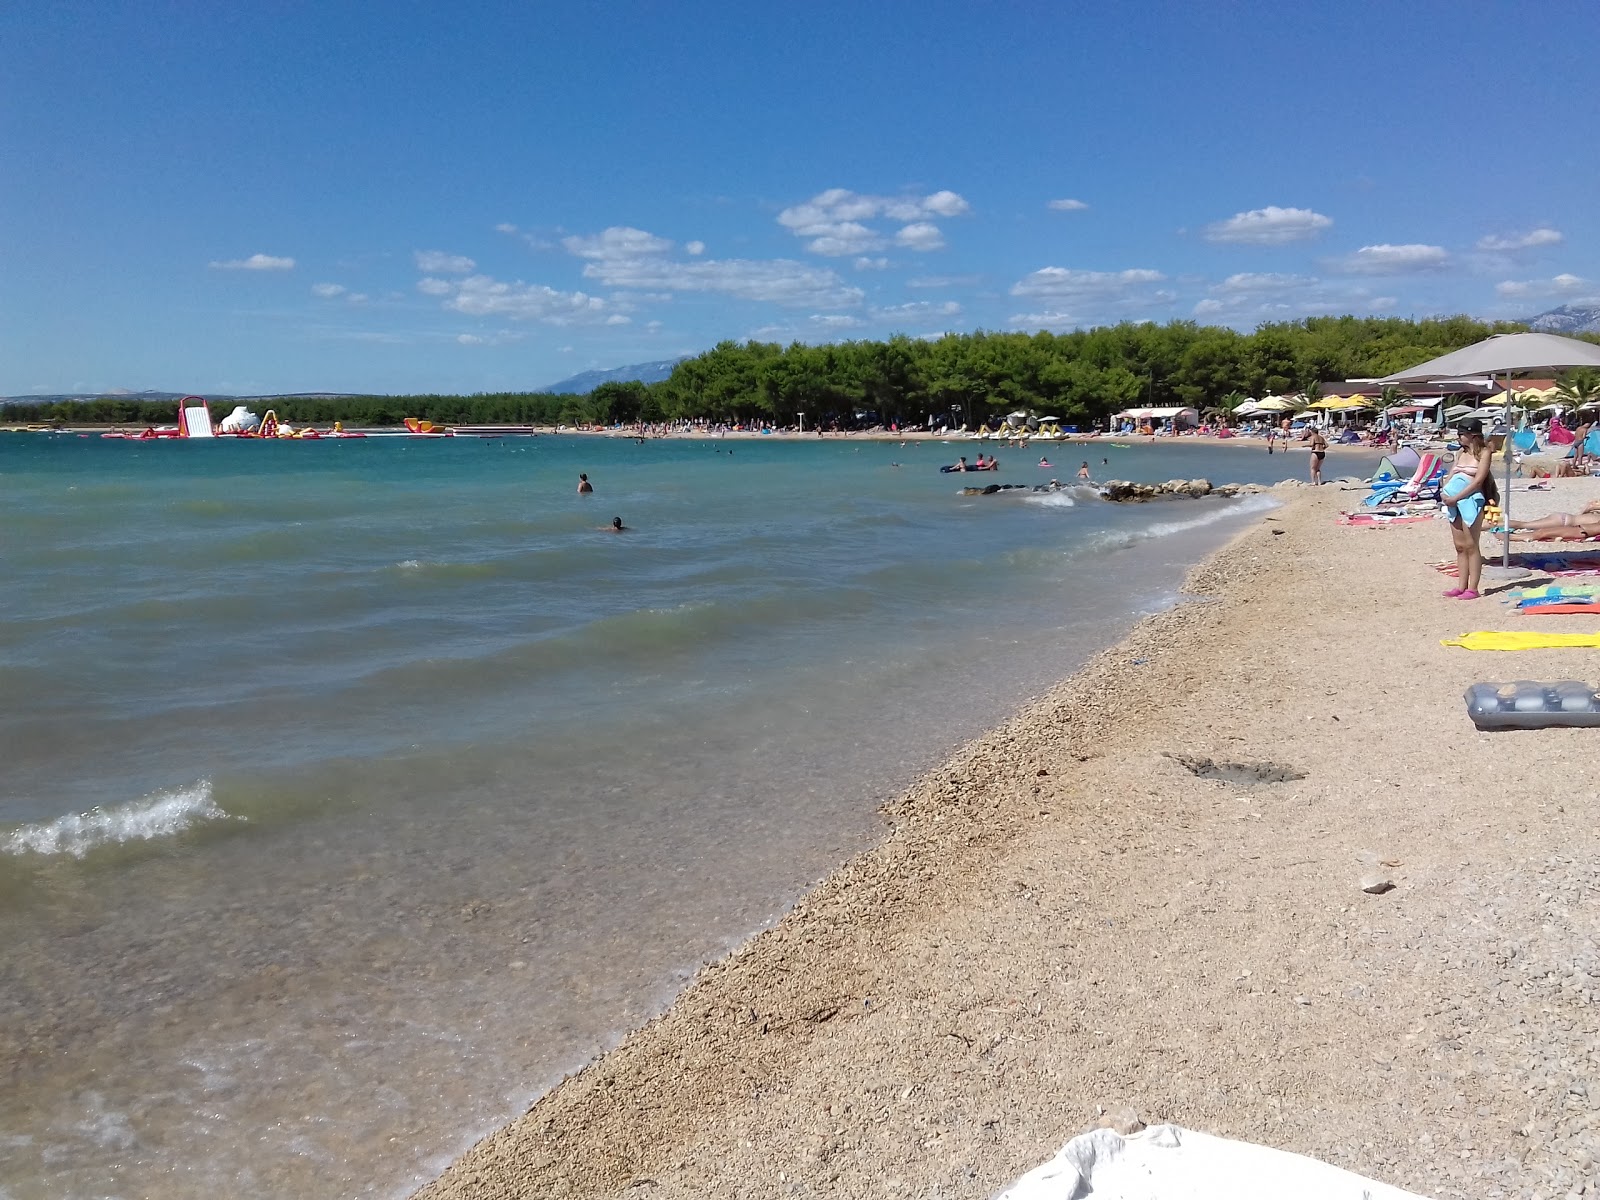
<point>1121,539</point>
<point>163,814</point>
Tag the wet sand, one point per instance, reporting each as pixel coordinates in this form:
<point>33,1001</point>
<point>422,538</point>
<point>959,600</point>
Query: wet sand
<point>1066,919</point>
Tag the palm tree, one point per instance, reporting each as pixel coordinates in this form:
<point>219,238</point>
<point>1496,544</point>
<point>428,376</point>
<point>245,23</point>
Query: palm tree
<point>1580,388</point>
<point>1394,397</point>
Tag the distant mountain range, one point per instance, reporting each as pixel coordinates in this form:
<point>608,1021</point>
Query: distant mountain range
<point>587,381</point>
<point>1569,318</point>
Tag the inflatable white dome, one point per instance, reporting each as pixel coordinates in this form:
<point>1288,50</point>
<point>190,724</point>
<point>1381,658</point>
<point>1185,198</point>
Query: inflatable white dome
<point>240,420</point>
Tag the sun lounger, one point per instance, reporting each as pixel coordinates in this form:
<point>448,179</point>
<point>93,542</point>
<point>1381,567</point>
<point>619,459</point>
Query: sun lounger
<point>1423,484</point>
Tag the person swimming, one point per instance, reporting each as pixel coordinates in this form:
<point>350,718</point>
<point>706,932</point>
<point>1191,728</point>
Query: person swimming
<point>584,486</point>
<point>616,526</point>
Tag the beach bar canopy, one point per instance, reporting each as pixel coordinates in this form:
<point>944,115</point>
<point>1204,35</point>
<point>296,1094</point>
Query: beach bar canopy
<point>1161,414</point>
<point>1505,354</point>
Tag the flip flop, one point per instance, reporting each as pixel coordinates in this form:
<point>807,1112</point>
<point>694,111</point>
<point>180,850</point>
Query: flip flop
<point>1452,593</point>
<point>1467,594</point>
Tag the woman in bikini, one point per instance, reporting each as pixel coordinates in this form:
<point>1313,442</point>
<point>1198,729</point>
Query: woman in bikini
<point>1468,491</point>
<point>1562,527</point>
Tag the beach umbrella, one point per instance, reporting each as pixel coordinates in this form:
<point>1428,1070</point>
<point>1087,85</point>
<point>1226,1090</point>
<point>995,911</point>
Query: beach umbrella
<point>1274,404</point>
<point>1505,354</point>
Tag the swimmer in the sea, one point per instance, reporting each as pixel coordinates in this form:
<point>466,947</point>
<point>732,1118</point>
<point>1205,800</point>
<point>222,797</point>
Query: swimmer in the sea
<point>616,526</point>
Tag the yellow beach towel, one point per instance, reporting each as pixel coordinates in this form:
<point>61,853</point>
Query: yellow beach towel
<point>1522,639</point>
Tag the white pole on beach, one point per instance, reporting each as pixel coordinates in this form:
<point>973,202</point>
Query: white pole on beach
<point>1505,497</point>
<point>802,417</point>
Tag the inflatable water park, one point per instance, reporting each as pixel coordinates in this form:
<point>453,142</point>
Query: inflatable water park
<point>195,423</point>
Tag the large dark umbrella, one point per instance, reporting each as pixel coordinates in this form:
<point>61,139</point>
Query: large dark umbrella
<point>1505,354</point>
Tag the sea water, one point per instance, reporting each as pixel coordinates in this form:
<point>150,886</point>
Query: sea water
<point>352,792</point>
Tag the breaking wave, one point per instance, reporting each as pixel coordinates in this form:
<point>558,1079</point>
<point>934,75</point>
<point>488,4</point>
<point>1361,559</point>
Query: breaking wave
<point>162,815</point>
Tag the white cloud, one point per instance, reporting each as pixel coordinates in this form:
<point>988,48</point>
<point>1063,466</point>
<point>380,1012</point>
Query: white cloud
<point>945,281</point>
<point>1208,307</point>
<point>946,204</point>
<point>1256,283</point>
<point>1076,298</point>
<point>1563,284</point>
<point>623,257</point>
<point>1059,283</point>
<point>920,235</point>
<point>256,262</point>
<point>498,338</point>
<point>1067,205</point>
<point>653,326</point>
<point>437,262</point>
<point>357,298</point>
<point>695,248</point>
<point>1053,320</point>
<point>916,310</point>
<point>842,238</point>
<point>871,264</point>
<point>1270,226</point>
<point>619,242</point>
<point>327,290</point>
<point>836,321</point>
<point>1542,236</point>
<point>1385,259</point>
<point>618,319</point>
<point>483,296</point>
<point>833,220</point>
<point>533,241</point>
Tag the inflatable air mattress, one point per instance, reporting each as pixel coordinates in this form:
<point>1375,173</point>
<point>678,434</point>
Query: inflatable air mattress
<point>1529,705</point>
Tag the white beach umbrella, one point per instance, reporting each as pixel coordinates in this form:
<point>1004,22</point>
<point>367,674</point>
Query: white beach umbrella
<point>1505,354</point>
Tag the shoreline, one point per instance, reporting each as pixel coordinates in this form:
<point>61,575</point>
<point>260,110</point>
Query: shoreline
<point>1062,919</point>
<point>1117,441</point>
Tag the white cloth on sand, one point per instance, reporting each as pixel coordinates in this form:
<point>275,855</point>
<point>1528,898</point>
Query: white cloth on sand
<point>1166,1162</point>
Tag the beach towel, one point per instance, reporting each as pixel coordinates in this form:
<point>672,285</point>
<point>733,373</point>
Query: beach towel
<point>1563,571</point>
<point>1523,639</point>
<point>1557,591</point>
<point>1167,1162</point>
<point>1556,608</point>
<point>1379,520</point>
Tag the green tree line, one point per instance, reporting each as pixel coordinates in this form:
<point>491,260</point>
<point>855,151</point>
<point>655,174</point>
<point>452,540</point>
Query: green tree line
<point>959,378</point>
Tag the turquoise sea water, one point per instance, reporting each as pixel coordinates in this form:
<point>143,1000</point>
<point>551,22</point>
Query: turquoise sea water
<point>354,791</point>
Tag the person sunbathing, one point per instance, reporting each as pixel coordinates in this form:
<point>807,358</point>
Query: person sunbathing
<point>1558,527</point>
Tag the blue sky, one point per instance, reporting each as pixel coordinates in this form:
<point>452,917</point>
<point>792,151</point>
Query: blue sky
<point>414,197</point>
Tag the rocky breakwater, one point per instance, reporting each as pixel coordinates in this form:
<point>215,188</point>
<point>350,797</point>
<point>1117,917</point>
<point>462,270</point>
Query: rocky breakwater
<point>1121,491</point>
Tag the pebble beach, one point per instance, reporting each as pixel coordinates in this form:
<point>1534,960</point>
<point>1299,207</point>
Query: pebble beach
<point>1156,893</point>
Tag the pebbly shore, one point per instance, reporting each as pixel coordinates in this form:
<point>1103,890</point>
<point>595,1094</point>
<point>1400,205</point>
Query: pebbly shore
<point>1153,889</point>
